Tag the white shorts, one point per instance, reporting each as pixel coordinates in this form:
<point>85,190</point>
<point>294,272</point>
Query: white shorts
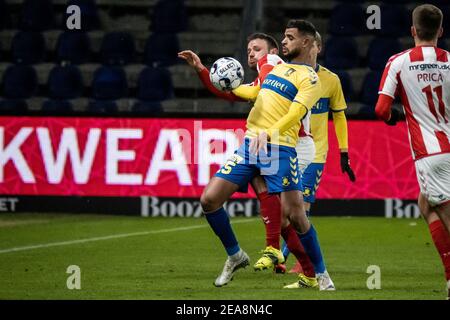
<point>306,151</point>
<point>433,174</point>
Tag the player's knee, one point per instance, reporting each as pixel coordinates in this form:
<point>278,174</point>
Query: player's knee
<point>208,202</point>
<point>284,222</point>
<point>259,185</point>
<point>424,207</point>
<point>300,224</point>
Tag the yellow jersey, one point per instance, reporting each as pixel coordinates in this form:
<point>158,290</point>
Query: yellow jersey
<point>287,86</point>
<point>332,98</point>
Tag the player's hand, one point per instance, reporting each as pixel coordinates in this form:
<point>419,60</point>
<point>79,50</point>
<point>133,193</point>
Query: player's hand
<point>345,166</point>
<point>395,115</point>
<point>258,143</point>
<point>192,59</point>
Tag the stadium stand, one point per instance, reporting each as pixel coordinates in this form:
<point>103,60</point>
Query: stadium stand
<point>340,24</point>
<point>89,19</point>
<point>117,48</point>
<point>19,83</point>
<point>161,49</point>
<point>28,47</point>
<point>136,34</point>
<point>395,20</point>
<point>341,53</point>
<point>73,47</point>
<point>37,15</point>
<point>380,50</point>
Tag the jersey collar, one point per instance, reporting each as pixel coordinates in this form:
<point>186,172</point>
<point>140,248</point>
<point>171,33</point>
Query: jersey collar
<point>300,64</point>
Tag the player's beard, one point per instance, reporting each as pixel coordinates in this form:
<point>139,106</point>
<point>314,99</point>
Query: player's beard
<point>292,54</point>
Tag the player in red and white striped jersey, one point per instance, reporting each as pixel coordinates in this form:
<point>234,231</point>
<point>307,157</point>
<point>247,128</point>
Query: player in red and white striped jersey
<point>421,78</point>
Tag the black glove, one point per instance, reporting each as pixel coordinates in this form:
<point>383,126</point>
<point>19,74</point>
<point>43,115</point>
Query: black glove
<point>345,166</point>
<point>395,115</point>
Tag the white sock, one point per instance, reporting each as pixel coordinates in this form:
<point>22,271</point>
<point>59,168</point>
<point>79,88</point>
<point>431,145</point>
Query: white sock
<point>237,255</point>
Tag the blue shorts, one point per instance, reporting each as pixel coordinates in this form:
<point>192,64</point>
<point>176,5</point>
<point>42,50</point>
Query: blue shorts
<point>279,168</point>
<point>311,180</point>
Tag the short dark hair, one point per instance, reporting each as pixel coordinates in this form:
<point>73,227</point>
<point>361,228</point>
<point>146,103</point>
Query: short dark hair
<point>271,42</point>
<point>427,19</point>
<point>303,26</point>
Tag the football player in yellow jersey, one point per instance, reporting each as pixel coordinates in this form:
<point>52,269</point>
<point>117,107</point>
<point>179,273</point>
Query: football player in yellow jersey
<point>284,98</point>
<point>332,99</point>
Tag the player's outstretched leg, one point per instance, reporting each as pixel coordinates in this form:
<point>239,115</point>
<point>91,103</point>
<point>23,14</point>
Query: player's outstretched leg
<point>271,215</point>
<point>215,194</point>
<point>307,275</point>
<point>292,207</point>
<point>439,234</point>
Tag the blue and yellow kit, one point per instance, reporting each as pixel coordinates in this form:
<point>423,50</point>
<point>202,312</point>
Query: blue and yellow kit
<point>332,99</point>
<point>285,96</point>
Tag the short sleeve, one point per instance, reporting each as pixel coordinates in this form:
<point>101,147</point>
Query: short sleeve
<point>389,81</point>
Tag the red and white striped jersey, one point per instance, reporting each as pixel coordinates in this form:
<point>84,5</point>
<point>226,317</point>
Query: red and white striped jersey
<point>421,78</point>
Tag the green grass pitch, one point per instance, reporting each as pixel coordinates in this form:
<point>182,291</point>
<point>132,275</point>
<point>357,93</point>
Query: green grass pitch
<point>157,258</point>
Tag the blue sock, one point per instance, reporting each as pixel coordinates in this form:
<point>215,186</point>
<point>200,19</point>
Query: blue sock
<point>311,244</point>
<point>220,223</point>
<point>285,250</point>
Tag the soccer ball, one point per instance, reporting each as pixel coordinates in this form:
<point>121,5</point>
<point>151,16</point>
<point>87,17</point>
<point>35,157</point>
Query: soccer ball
<point>226,74</point>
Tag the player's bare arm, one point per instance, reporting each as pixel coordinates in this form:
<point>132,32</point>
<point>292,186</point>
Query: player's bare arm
<point>192,59</point>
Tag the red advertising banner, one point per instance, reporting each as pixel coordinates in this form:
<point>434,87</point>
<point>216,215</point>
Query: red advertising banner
<point>177,157</point>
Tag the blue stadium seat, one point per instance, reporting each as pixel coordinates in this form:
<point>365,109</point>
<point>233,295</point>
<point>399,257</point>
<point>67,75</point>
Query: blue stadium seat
<point>347,20</point>
<point>109,83</point>
<point>369,92</point>
<point>395,21</point>
<point>65,83</point>
<point>169,16</point>
<point>57,107</point>
<point>37,15</point>
<point>117,48</point>
<point>73,47</point>
<point>380,50</point>
<point>341,53</point>
<point>161,49</point>
<point>19,82</point>
<point>106,107</point>
<point>347,84</point>
<point>28,47</point>
<point>89,14</point>
<point>155,84</point>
